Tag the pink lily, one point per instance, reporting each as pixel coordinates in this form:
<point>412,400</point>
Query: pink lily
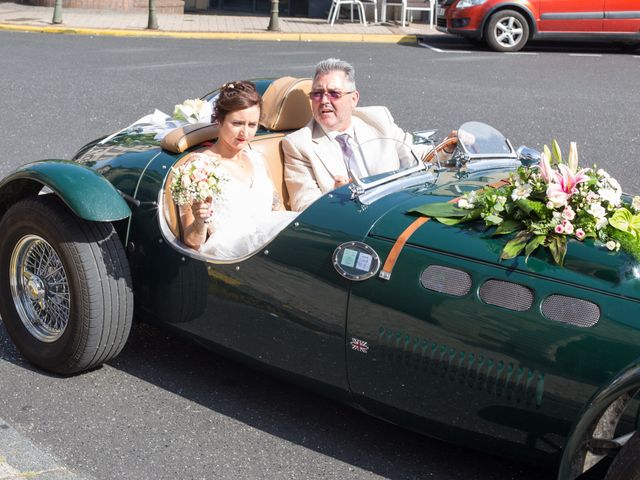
<point>563,186</point>
<point>569,179</point>
<point>545,169</point>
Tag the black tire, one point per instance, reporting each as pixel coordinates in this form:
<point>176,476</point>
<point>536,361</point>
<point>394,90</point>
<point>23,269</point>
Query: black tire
<point>626,464</point>
<point>65,286</point>
<point>506,31</point>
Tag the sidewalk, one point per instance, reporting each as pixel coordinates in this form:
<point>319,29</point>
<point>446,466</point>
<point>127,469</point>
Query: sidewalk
<point>210,25</point>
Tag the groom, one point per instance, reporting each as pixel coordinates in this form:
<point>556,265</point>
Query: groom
<point>333,146</point>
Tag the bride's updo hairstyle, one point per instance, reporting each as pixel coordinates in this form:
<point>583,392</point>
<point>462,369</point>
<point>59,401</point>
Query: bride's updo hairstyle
<point>235,96</point>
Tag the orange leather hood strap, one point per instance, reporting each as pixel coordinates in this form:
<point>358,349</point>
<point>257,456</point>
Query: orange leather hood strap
<point>389,263</point>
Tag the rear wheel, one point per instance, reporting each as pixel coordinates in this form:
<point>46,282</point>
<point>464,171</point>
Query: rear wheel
<point>626,464</point>
<point>507,31</point>
<point>65,286</point>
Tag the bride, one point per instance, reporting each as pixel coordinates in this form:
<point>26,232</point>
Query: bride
<point>249,211</point>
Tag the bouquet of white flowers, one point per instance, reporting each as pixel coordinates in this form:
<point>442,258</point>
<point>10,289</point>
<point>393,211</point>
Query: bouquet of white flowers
<point>197,180</point>
<point>545,206</point>
<point>193,111</point>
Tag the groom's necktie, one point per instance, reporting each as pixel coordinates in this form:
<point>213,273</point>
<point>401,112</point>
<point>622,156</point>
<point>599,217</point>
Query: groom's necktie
<point>347,151</point>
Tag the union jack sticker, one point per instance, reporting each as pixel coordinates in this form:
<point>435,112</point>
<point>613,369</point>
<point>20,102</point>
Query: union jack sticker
<point>359,345</point>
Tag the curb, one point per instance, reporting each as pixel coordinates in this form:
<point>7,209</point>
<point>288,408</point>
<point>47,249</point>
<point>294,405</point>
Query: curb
<point>259,36</point>
<point>21,459</point>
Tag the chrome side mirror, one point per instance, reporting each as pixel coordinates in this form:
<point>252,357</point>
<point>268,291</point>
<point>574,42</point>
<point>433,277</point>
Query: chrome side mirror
<point>528,156</point>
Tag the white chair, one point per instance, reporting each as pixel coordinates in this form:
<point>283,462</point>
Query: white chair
<point>408,7</point>
<point>336,5</point>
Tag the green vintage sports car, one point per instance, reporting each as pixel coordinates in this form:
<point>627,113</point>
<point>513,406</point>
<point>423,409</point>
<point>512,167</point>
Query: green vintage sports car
<point>505,322</point>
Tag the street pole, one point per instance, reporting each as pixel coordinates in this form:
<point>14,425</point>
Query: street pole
<point>57,12</point>
<point>274,26</point>
<point>153,20</point>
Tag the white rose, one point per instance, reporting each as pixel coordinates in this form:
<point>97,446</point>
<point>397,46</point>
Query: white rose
<point>597,210</point>
<point>611,195</point>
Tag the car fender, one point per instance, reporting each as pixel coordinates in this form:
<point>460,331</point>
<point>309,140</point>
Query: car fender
<point>520,7</point>
<point>89,195</point>
<point>627,380</point>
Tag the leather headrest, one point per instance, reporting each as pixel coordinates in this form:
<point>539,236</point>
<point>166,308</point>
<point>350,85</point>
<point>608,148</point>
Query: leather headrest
<point>183,138</point>
<point>286,104</point>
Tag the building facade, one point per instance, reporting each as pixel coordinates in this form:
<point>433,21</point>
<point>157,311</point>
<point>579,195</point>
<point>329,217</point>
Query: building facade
<point>297,8</point>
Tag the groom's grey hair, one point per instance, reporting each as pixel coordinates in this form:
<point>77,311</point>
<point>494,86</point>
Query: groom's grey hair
<point>335,64</point>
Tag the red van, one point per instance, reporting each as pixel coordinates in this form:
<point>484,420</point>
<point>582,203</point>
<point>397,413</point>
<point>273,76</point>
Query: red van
<point>506,26</point>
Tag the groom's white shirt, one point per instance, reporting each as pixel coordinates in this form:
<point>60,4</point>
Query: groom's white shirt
<point>312,159</point>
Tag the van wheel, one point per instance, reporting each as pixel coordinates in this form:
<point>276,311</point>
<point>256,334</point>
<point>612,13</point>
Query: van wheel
<point>626,464</point>
<point>507,31</point>
<point>65,287</point>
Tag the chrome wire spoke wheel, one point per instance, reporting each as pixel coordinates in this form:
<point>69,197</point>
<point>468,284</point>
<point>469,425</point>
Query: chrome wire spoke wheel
<point>40,288</point>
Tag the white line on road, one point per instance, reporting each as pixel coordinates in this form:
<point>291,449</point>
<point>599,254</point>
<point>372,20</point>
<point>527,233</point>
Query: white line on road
<point>440,50</point>
<point>585,55</point>
<point>521,53</point>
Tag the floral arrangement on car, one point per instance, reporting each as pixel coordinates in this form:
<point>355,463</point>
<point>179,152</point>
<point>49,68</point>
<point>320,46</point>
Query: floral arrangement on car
<point>546,205</point>
<point>193,110</point>
<point>197,180</point>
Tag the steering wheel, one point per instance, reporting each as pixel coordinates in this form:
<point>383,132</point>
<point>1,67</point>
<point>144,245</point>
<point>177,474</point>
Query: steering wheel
<point>447,142</point>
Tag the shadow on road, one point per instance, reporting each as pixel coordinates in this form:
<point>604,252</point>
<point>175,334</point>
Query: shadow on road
<point>253,398</point>
<point>451,43</point>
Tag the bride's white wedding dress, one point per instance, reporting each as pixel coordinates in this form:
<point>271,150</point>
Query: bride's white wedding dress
<point>243,220</point>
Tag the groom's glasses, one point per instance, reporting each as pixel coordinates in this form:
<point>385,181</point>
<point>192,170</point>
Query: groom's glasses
<point>331,94</point>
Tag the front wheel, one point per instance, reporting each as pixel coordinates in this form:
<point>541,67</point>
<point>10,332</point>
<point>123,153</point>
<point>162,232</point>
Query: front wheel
<point>65,287</point>
<point>507,31</point>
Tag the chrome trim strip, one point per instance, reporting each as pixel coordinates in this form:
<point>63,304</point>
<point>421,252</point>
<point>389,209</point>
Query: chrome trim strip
<point>622,15</point>
<point>572,16</point>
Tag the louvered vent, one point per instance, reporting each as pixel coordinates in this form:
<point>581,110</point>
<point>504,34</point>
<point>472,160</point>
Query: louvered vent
<point>446,280</point>
<point>506,295</point>
<point>571,310</point>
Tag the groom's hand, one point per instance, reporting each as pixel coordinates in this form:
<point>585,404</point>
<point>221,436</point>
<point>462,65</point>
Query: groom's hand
<point>340,181</point>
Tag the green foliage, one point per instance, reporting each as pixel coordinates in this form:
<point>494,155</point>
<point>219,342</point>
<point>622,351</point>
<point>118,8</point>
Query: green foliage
<point>436,210</point>
<point>546,206</point>
<point>533,244</point>
<point>514,247</point>
<point>623,220</point>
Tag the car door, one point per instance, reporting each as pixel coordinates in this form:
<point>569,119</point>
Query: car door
<point>622,16</point>
<point>571,15</point>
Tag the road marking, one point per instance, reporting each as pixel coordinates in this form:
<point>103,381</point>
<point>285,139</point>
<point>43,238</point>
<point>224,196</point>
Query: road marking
<point>439,50</point>
<point>521,53</point>
<point>585,54</point>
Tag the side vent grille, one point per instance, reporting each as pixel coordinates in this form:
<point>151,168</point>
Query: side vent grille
<point>575,311</point>
<point>446,280</point>
<point>506,295</point>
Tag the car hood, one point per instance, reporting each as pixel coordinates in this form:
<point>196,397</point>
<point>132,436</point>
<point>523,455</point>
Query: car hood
<point>588,264</point>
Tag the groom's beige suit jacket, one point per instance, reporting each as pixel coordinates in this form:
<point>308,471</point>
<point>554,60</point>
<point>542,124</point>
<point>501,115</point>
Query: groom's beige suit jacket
<point>312,160</point>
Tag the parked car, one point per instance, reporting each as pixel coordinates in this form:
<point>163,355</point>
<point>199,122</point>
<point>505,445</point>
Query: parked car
<point>507,26</point>
<point>426,324</point>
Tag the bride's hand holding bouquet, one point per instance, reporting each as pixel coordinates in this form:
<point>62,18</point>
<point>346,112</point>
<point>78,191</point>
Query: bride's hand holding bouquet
<point>196,183</point>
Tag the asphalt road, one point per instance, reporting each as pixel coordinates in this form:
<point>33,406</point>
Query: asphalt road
<point>166,409</point>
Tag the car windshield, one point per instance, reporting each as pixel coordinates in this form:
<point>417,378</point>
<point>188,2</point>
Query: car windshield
<point>479,140</point>
<point>381,160</point>
<point>383,165</point>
